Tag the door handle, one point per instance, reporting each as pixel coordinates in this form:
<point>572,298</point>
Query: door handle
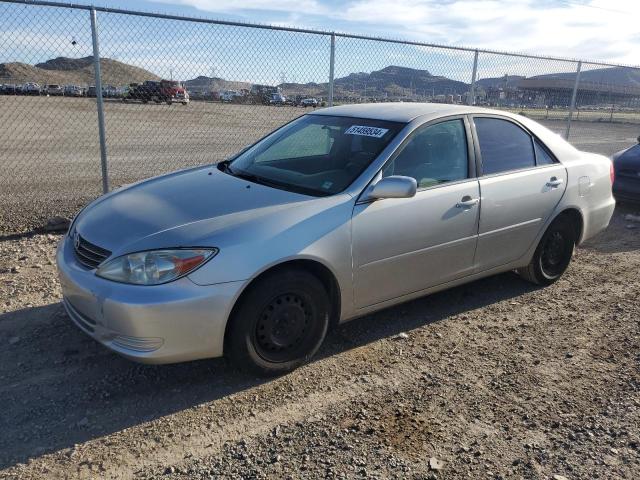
<point>554,182</point>
<point>467,202</point>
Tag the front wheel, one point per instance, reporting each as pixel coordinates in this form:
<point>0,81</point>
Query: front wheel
<point>279,323</point>
<point>553,254</point>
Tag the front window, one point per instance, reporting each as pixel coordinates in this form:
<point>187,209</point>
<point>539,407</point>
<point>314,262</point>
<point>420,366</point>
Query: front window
<point>316,154</point>
<point>433,155</point>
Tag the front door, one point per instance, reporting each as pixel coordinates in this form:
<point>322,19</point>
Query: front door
<point>401,246</point>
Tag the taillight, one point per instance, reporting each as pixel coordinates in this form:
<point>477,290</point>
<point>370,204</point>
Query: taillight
<point>612,173</point>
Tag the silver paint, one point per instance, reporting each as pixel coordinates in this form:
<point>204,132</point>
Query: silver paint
<point>380,251</point>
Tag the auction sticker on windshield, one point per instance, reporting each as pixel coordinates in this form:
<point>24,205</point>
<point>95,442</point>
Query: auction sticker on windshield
<point>366,131</point>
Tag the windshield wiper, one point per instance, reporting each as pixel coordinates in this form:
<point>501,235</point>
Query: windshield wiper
<point>251,177</point>
<point>225,166</point>
<point>257,179</point>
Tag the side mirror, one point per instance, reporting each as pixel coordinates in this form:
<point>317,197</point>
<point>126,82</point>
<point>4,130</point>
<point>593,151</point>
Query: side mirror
<point>395,186</point>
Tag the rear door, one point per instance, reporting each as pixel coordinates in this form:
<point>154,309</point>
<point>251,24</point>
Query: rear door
<point>520,185</point>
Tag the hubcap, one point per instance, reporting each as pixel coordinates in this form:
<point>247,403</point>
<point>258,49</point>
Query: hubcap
<point>283,328</point>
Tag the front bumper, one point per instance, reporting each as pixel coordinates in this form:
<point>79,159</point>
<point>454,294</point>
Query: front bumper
<point>169,323</point>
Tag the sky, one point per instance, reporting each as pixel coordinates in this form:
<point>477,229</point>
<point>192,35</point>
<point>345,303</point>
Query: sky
<point>604,30</point>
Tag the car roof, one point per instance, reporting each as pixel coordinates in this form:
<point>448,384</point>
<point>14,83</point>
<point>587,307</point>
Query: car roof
<point>402,112</point>
<point>406,112</point>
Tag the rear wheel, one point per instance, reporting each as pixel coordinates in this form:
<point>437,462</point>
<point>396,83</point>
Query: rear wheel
<point>553,254</point>
<point>279,323</point>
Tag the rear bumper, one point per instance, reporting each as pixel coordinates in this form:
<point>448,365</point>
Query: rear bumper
<point>174,322</point>
<point>625,188</point>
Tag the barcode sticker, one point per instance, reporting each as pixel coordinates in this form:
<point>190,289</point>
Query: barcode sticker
<point>366,131</point>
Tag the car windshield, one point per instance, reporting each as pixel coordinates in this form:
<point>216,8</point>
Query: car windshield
<point>315,154</point>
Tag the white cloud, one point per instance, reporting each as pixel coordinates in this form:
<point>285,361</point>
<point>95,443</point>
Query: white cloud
<point>228,6</point>
<point>592,29</point>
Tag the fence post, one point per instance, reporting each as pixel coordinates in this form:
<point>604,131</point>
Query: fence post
<point>472,91</point>
<point>99,101</point>
<point>573,101</point>
<point>332,60</point>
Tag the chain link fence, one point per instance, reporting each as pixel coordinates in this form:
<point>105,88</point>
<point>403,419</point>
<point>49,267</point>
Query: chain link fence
<point>174,92</point>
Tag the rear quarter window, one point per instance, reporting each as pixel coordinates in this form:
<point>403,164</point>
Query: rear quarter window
<point>543,157</point>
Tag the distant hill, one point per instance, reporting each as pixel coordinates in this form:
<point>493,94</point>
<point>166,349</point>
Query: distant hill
<point>63,70</point>
<point>209,84</point>
<point>626,77</point>
<point>396,81</point>
<point>391,82</point>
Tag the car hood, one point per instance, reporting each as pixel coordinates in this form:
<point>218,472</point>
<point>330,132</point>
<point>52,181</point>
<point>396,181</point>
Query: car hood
<point>191,208</point>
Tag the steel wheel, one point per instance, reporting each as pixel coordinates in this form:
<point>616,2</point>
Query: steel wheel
<point>556,254</point>
<point>282,330</point>
<point>279,323</point>
<point>553,254</point>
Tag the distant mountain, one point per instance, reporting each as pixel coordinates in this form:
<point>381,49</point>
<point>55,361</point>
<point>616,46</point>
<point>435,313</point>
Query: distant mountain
<point>390,82</point>
<point>398,81</point>
<point>79,71</point>
<point>627,77</point>
<point>506,81</point>
<point>208,84</point>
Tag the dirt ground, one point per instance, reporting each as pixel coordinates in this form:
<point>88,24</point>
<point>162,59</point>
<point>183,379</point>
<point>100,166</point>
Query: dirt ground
<point>496,379</point>
<point>50,156</point>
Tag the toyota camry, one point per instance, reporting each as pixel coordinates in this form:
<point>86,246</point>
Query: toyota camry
<point>339,213</point>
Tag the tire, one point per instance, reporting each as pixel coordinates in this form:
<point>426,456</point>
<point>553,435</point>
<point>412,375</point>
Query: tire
<point>279,323</point>
<point>553,254</point>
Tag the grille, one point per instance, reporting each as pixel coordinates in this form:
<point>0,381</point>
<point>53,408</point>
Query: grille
<point>88,254</point>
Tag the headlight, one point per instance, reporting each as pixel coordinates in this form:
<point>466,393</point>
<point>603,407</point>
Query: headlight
<point>156,266</point>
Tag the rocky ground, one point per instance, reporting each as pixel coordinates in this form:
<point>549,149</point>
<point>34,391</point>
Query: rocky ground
<point>495,379</point>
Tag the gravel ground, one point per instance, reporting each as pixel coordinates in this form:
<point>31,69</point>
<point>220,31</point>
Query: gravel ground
<point>495,379</point>
<point>50,156</point>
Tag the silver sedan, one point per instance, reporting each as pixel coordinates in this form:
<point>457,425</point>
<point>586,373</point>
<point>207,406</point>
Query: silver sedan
<point>337,214</point>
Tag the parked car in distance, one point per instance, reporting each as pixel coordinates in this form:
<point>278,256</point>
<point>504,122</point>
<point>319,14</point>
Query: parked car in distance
<point>309,102</point>
<point>54,90</point>
<point>174,92</point>
<point>9,89</point>
<point>31,88</point>
<point>91,91</point>
<point>277,99</point>
<point>73,91</point>
<point>626,164</point>
<point>109,91</point>
<point>164,91</point>
<point>229,96</point>
<point>339,213</point>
